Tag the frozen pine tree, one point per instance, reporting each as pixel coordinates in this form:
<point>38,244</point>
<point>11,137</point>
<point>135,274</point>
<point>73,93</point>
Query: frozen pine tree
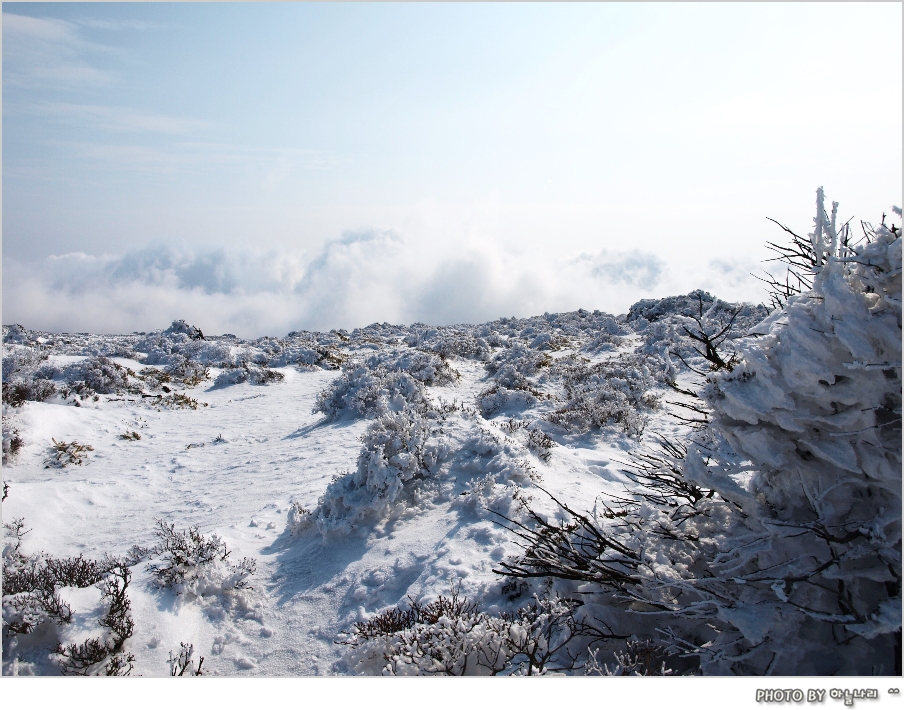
<point>814,409</point>
<point>770,540</point>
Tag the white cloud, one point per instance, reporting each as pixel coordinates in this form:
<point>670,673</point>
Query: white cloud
<point>365,276</point>
<point>638,269</point>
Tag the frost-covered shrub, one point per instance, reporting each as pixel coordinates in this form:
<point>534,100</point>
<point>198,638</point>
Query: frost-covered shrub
<point>207,352</point>
<point>518,360</point>
<point>602,342</point>
<point>181,341</point>
<point>654,309</point>
<point>541,443</point>
<point>12,441</point>
<point>182,663</point>
<point>298,519</point>
<point>815,407</point>
<point>155,379</point>
<point>500,470</point>
<point>499,398</point>
<point>615,391</point>
<point>307,353</point>
<point>31,584</point>
<point>86,658</point>
<point>368,393</point>
<point>664,323</point>
<point>511,387</point>
<point>18,392</point>
<point>31,600</point>
<point>425,367</point>
<point>173,400</point>
<point>63,454</point>
<point>640,657</point>
<point>248,372</point>
<point>15,334</point>
<point>182,328</point>
<point>549,341</point>
<point>187,371</point>
<point>449,342</point>
<point>21,359</point>
<point>399,449</point>
<point>190,562</point>
<point>384,382</point>
<point>450,636</point>
<point>96,375</point>
<point>486,452</point>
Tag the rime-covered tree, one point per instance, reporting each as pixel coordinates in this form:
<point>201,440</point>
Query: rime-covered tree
<point>771,541</point>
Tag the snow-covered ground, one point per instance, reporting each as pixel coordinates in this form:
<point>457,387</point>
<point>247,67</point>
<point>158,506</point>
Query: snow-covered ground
<point>236,464</point>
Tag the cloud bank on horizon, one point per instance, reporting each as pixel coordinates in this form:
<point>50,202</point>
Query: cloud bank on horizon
<point>361,278</point>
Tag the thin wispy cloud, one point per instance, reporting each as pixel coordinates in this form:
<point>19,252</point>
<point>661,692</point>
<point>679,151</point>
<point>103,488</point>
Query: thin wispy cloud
<point>119,119</point>
<point>47,52</point>
<point>189,157</point>
<point>119,25</point>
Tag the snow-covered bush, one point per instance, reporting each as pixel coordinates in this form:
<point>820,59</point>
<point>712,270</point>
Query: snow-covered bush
<point>815,407</point>
<point>64,454</point>
<point>31,378</point>
<point>614,391</point>
<point>386,381</point>
<point>187,371</point>
<point>500,473</point>
<point>248,372</point>
<point>86,658</point>
<point>20,359</point>
<point>638,658</point>
<point>772,540</point>
<point>182,341</point>
<point>298,518</point>
<point>189,562</point>
<point>15,334</point>
<point>18,392</point>
<point>12,441</point>
<point>173,400</point>
<point>32,601</point>
<point>549,341</point>
<point>306,352</point>
<point>182,328</point>
<point>449,341</point>
<point>517,360</point>
<point>182,663</point>
<point>450,636</point>
<point>486,452</point>
<point>540,442</point>
<point>669,323</point>
<point>511,387</point>
<point>96,375</point>
<point>425,367</point>
<point>367,393</point>
<point>398,449</point>
<point>500,398</point>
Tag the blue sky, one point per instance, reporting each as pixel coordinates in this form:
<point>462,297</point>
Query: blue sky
<point>261,168</point>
